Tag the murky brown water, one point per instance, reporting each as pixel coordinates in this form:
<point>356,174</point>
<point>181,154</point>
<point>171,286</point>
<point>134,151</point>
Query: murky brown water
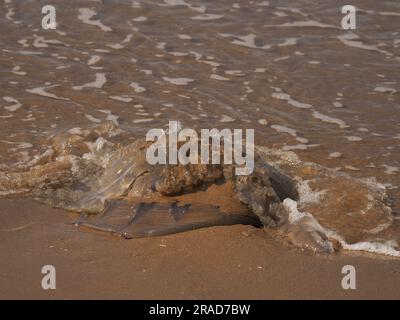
<point>285,69</point>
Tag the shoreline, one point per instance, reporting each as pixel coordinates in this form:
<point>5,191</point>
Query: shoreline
<point>233,262</point>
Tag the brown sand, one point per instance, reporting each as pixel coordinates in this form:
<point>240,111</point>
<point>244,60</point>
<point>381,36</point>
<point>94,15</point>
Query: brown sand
<point>237,262</point>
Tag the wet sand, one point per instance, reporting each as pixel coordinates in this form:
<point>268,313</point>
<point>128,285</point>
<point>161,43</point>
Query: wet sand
<point>236,262</point>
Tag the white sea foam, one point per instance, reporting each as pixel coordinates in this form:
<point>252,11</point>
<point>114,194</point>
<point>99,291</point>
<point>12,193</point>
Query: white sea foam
<point>137,87</point>
<point>41,42</point>
<point>245,41</point>
<point>93,60</point>
<point>41,92</point>
<point>382,13</point>
<point>308,224</point>
<point>299,146</point>
<point>226,118</point>
<point>306,194</point>
<point>139,19</point>
<point>295,217</point>
<point>387,248</point>
<point>308,23</point>
<point>385,90</point>
<point>335,155</point>
<point>290,131</point>
<point>16,70</point>
<point>207,16</point>
<point>15,104</point>
<point>279,94</point>
<point>390,169</point>
<point>235,72</point>
<point>24,43</point>
<point>328,119</point>
<point>260,70</point>
<point>294,214</point>
<point>201,9</point>
<point>178,54</point>
<point>288,42</point>
<point>128,38</point>
<point>110,116</point>
<point>115,46</point>
<point>218,77</point>
<point>10,14</point>
<point>76,130</point>
<point>211,63</point>
<point>86,15</point>
<point>93,119</point>
<point>353,138</point>
<point>178,81</point>
<point>353,40</point>
<point>184,37</point>
<point>121,98</point>
<point>98,83</point>
<point>143,120</point>
<point>281,58</point>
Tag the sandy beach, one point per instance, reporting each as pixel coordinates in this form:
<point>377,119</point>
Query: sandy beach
<point>237,262</point>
